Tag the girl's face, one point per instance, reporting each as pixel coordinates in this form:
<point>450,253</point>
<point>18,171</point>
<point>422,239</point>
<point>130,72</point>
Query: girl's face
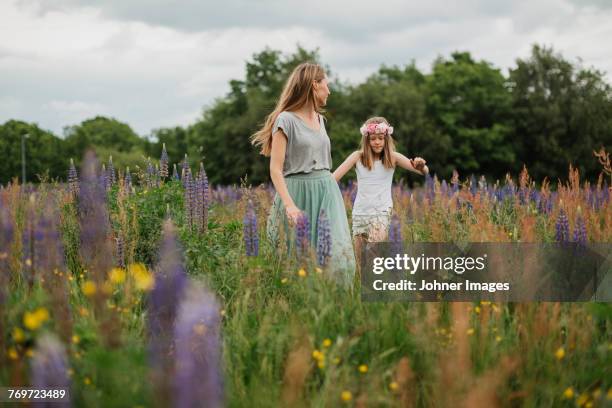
<point>377,142</point>
<point>321,91</point>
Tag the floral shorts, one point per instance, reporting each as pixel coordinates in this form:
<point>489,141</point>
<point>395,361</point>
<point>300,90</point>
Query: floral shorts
<point>375,227</point>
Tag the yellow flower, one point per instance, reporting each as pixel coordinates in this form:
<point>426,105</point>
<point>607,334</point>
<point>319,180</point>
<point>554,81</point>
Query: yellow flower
<point>28,262</point>
<point>12,353</point>
<point>144,279</point>
<point>318,270</point>
<point>321,364</point>
<point>302,273</point>
<point>582,399</point>
<point>363,369</point>
<point>89,288</point>
<point>327,343</point>
<point>284,280</point>
<point>29,353</point>
<point>470,331</point>
<point>596,393</point>
<point>609,394</point>
<point>117,276</point>
<point>346,396</point>
<point>498,338</point>
<point>337,360</point>
<point>87,381</point>
<point>76,339</point>
<point>485,302</point>
<point>70,372</point>
<point>568,393</point>
<point>560,353</point>
<point>18,335</point>
<point>477,309</point>
<point>393,386</point>
<point>317,355</point>
<point>33,320</point>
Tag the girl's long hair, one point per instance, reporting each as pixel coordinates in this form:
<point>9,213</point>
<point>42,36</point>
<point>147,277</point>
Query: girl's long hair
<point>298,91</point>
<point>367,155</point>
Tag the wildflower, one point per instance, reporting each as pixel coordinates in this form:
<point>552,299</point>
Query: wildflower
<point>393,386</point>
<point>321,364</point>
<point>336,360</point>
<point>560,353</point>
<point>142,277</point>
<point>76,339</point>
<point>89,288</point>
<point>12,353</point>
<point>302,273</point>
<point>562,227</point>
<point>73,179</point>
<point>175,175</point>
<point>323,239</point>
<point>363,368</point>
<point>318,270</point>
<point>568,393</point>
<point>33,320</point>
<point>284,280</point>
<point>50,364</point>
<point>580,233</point>
<point>251,238</point>
<point>317,355</point>
<point>498,338</point>
<point>470,331</point>
<point>163,162</point>
<point>87,381</point>
<point>395,233</point>
<point>198,376</point>
<point>582,399</point>
<point>477,310</point>
<point>346,396</point>
<point>327,343</point>
<point>117,276</point>
<point>302,234</point>
<point>18,335</point>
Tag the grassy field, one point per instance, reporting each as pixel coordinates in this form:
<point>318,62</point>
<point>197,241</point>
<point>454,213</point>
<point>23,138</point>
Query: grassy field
<point>140,293</point>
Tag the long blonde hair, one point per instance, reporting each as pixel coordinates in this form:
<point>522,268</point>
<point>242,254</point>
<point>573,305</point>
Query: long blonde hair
<point>298,91</point>
<point>367,156</point>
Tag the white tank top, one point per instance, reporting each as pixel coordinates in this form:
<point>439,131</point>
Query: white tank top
<point>373,189</point>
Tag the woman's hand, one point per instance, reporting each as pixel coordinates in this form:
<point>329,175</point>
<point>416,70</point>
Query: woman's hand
<point>293,214</point>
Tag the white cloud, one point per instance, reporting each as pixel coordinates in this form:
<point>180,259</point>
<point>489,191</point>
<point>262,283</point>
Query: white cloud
<point>154,64</point>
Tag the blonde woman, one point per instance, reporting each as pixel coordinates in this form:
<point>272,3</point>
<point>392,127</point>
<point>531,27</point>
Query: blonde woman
<point>295,139</point>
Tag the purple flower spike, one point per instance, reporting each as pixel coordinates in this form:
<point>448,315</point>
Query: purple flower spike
<point>562,227</point>
<point>251,238</point>
<point>395,234</point>
<point>112,176</point>
<point>198,380</point>
<point>128,181</point>
<point>324,243</point>
<point>302,234</point>
<point>73,179</point>
<point>163,163</point>
<point>49,368</point>
<point>580,232</point>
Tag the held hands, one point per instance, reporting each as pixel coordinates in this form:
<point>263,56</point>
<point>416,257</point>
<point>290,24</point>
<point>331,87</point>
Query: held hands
<point>419,164</point>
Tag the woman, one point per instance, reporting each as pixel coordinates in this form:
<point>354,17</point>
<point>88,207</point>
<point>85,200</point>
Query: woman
<point>295,139</point>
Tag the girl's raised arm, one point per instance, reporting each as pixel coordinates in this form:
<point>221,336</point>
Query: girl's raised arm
<point>346,166</point>
<point>406,163</point>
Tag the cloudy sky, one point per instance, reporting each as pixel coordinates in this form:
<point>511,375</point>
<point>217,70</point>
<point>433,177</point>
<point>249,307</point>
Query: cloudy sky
<point>158,63</point>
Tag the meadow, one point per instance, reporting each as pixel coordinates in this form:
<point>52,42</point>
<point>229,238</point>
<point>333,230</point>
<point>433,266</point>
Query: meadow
<point>153,288</point>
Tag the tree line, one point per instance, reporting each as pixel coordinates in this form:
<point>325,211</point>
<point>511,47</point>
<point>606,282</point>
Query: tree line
<point>545,112</point>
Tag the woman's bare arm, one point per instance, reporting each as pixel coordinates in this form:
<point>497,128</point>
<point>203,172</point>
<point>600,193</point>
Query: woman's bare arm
<point>277,159</point>
<point>346,166</point>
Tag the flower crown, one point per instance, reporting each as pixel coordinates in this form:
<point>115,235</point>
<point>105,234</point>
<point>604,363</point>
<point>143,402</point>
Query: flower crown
<point>376,128</point>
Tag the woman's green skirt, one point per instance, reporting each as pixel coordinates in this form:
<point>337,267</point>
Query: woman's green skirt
<point>311,193</point>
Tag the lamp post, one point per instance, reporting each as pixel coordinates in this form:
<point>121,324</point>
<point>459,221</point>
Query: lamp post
<point>23,158</point>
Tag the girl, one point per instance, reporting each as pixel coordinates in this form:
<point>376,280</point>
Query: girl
<point>375,163</point>
<point>295,138</point>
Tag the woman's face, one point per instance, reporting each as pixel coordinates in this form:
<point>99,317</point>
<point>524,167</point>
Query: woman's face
<point>377,142</point>
<point>321,91</point>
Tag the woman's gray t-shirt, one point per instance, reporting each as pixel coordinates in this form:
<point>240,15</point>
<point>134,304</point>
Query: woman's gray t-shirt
<point>307,149</point>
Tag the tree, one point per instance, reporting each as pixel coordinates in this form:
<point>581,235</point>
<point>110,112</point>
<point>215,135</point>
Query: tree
<point>561,113</point>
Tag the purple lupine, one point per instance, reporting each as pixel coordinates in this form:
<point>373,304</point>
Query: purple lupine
<point>49,368</point>
<point>189,198</point>
<point>112,176</point>
<point>395,234</point>
<point>95,248</point>
<point>163,162</point>
<point>198,378</point>
<point>150,174</point>
<point>302,233</point>
<point>205,196</point>
<point>128,181</point>
<point>47,236</point>
<point>163,303</point>
<point>580,232</point>
<point>251,237</point>
<point>198,203</point>
<point>455,182</point>
<point>324,244</point>
<point>175,175</point>
<point>73,179</point>
<point>28,242</point>
<point>185,168</point>
<point>473,186</point>
<point>443,188</point>
<point>562,233</point>
<point>120,251</point>
<point>6,239</point>
<point>104,178</point>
